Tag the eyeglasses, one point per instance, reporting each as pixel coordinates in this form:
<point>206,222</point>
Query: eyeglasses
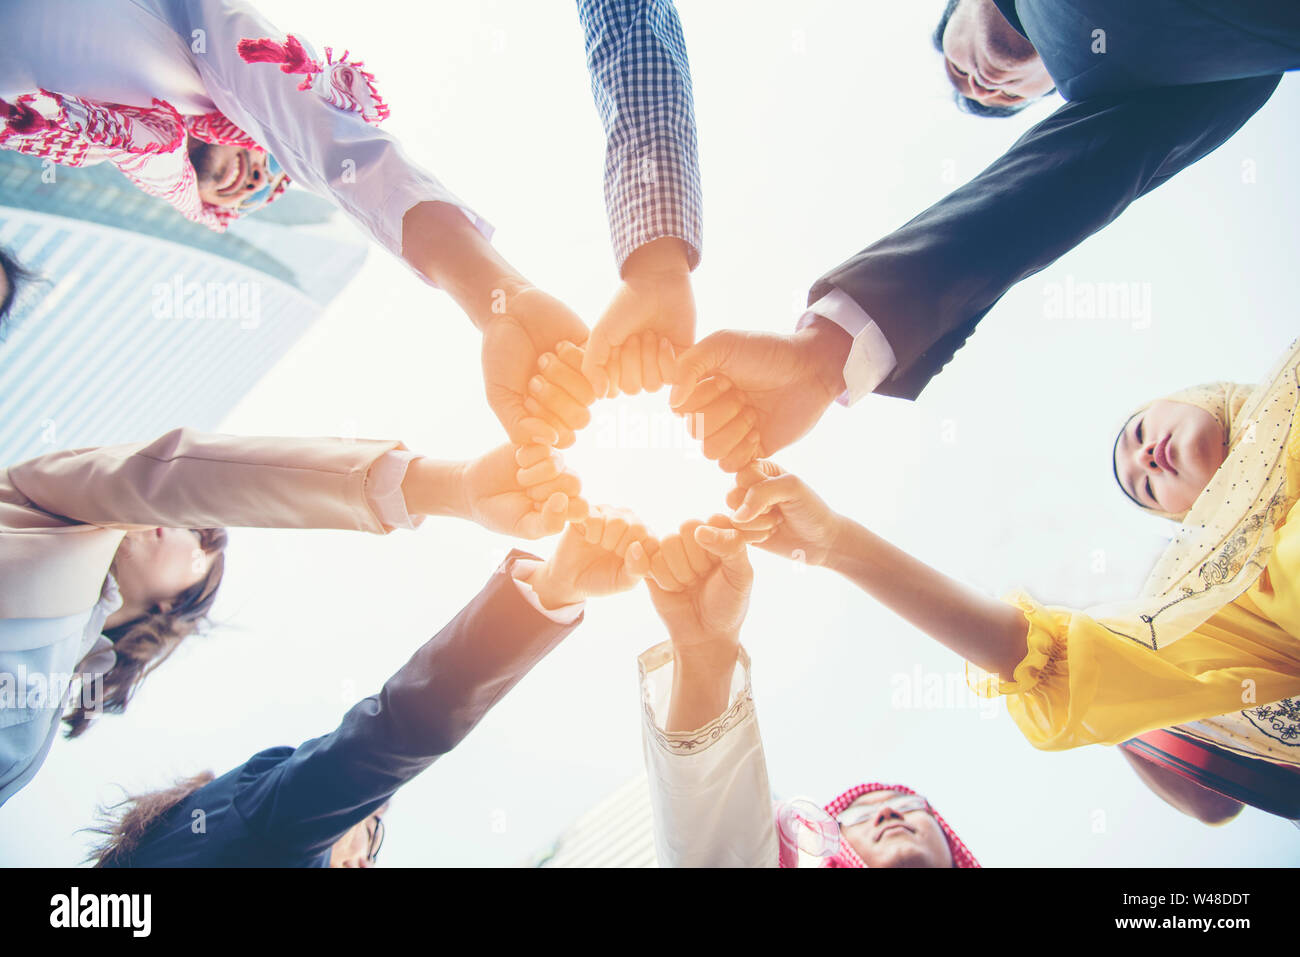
<point>255,200</point>
<point>903,804</point>
<point>376,840</point>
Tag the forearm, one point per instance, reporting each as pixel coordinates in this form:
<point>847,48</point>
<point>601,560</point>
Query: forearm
<point>709,789</point>
<point>989,633</point>
<point>192,479</point>
<point>701,688</point>
<point>421,713</point>
<point>641,81</point>
<point>928,283</point>
<point>432,487</point>
<point>440,242</point>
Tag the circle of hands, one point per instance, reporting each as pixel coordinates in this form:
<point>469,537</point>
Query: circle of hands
<point>744,395</point>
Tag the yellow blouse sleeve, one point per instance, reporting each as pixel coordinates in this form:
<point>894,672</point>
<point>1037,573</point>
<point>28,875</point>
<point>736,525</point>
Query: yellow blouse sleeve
<point>1082,684</point>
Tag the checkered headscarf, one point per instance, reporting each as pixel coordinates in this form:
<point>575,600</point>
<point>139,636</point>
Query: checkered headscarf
<point>847,857</point>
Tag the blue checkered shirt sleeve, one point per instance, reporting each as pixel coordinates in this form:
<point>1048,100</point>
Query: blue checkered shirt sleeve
<point>641,81</point>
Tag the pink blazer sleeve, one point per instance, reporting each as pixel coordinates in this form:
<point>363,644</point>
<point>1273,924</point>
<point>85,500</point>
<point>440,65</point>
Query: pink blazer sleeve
<point>194,479</point>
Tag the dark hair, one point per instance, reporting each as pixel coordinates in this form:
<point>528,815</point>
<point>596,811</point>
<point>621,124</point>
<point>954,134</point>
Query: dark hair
<point>124,825</point>
<point>145,643</point>
<point>965,103</point>
<point>15,275</point>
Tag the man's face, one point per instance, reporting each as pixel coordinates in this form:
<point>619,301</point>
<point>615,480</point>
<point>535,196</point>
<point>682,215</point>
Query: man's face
<point>988,61</point>
<point>227,175</point>
<point>894,829</point>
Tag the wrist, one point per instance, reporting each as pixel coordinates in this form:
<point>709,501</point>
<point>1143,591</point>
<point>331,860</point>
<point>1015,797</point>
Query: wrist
<point>827,345</point>
<point>550,592</point>
<point>830,543</point>
<point>435,488</point>
<point>714,657</point>
<point>702,677</point>
<point>439,240</point>
<point>844,543</point>
<point>663,257</point>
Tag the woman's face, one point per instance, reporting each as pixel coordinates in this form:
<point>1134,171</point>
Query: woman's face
<point>885,832</point>
<point>1167,453</point>
<point>155,565</point>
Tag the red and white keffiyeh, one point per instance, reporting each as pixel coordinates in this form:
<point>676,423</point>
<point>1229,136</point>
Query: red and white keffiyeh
<point>847,857</point>
<point>149,144</point>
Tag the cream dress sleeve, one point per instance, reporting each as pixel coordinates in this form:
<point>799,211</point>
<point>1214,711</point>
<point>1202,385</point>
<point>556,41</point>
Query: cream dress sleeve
<point>709,789</point>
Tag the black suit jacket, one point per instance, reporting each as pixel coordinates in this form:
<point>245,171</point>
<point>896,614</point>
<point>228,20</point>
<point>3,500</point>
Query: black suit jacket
<point>285,807</point>
<point>928,284</point>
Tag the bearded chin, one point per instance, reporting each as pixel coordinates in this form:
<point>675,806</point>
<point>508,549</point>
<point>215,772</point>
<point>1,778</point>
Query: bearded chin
<point>202,157</point>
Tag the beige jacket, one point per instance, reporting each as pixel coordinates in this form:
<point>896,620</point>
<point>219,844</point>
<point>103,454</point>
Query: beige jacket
<point>63,515</point>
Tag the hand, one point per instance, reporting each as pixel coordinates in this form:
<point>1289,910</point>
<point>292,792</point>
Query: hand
<point>797,523</point>
<point>533,324</point>
<point>524,492</point>
<point>699,581</point>
<point>652,313</point>
<point>590,559</point>
<point>784,382</point>
<point>559,392</point>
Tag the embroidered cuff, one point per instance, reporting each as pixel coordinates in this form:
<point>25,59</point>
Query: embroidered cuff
<point>656,670</point>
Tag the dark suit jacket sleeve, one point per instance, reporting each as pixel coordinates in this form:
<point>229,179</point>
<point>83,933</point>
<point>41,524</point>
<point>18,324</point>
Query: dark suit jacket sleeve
<point>308,801</point>
<point>928,284</point>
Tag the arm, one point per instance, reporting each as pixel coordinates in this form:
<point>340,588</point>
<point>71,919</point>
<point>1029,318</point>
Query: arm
<point>364,170</point>
<point>987,632</point>
<point>709,788</point>
<point>799,525</point>
<point>1071,681</point>
<point>641,81</point>
<point>330,151</point>
<point>191,479</point>
<point>309,800</point>
<point>708,777</point>
<point>427,708</point>
<point>928,284</point>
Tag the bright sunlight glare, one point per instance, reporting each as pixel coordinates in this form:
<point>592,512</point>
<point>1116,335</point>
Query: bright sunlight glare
<point>637,454</point>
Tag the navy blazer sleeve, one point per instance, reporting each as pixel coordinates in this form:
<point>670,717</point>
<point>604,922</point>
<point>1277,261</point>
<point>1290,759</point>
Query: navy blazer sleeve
<point>285,807</point>
<point>928,284</point>
<point>422,712</point>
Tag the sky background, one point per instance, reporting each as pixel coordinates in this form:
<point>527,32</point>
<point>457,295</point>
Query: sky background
<point>822,125</point>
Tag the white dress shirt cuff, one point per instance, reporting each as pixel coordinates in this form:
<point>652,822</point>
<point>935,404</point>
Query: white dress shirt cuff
<point>521,571</point>
<point>871,359</point>
<point>384,489</point>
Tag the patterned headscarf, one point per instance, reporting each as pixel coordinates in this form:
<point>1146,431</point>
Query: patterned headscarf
<point>1232,544</point>
<point>1225,539</point>
<point>150,144</point>
<point>847,857</point>
<point>1223,400</point>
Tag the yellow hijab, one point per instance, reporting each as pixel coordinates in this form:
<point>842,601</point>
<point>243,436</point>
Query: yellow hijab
<point>1225,539</point>
<point>1223,400</point>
